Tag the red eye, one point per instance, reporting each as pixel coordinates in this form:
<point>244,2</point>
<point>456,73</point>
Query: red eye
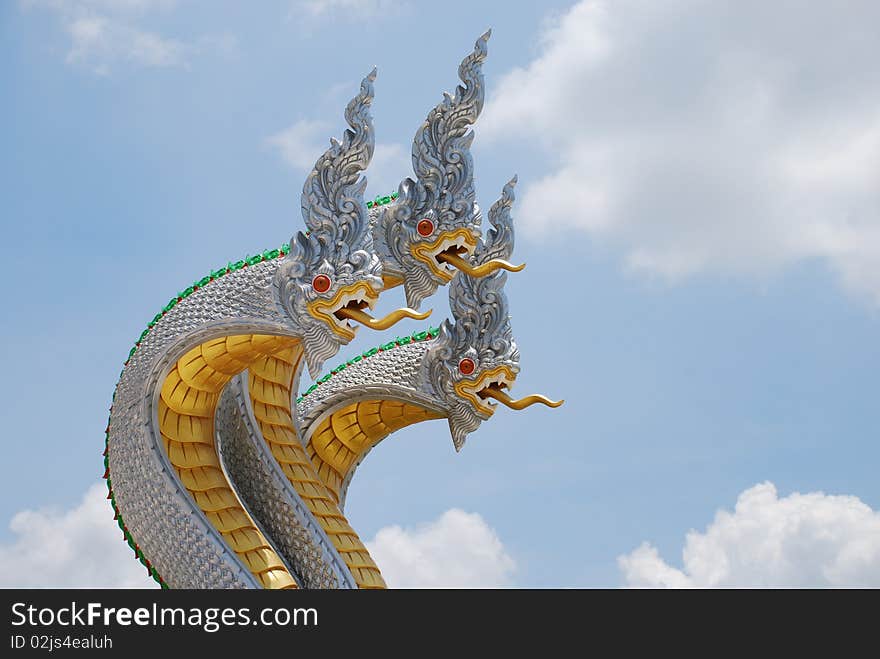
<point>321,283</point>
<point>425,228</point>
<point>466,366</point>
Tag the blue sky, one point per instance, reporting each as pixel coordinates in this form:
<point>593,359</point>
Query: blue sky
<point>699,208</point>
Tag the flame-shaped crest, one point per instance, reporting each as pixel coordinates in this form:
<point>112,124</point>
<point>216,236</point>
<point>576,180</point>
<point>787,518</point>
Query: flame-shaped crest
<point>480,332</point>
<point>442,198</point>
<point>338,245</point>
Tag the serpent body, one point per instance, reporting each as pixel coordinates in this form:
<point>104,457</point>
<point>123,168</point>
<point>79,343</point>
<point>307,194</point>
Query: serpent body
<point>223,482</point>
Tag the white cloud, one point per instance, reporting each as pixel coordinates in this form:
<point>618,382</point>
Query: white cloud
<point>355,9</point>
<point>81,547</point>
<point>807,540</point>
<point>98,41</point>
<point>120,6</point>
<point>457,550</point>
<point>705,136</point>
<point>390,165</point>
<point>106,33</point>
<point>302,143</point>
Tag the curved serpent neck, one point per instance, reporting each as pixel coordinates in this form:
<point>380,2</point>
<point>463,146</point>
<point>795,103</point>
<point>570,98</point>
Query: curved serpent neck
<point>162,455</point>
<point>261,482</point>
<point>185,500</point>
<point>161,518</point>
<point>222,482</point>
<point>171,533</point>
<point>346,415</point>
<point>354,407</point>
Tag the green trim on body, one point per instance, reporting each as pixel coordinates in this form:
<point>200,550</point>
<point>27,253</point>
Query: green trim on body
<point>267,255</point>
<point>425,335</point>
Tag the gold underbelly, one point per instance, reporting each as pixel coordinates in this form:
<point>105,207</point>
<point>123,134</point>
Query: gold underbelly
<point>270,381</point>
<point>187,404</point>
<point>343,438</point>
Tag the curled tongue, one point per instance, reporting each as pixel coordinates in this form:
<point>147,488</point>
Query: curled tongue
<point>362,317</point>
<point>481,270</point>
<point>519,404</point>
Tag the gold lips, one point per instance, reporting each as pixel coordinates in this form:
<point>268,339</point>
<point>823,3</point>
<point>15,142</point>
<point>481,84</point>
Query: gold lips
<point>488,385</point>
<point>349,303</point>
<point>449,247</point>
<point>468,388</point>
<point>428,252</point>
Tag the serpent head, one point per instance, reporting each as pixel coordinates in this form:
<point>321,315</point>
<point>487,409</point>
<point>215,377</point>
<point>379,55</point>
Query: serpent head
<point>475,358</point>
<point>333,272</point>
<point>434,224</point>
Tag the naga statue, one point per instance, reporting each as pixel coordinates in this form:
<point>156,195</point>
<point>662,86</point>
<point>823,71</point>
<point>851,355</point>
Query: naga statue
<point>219,475</point>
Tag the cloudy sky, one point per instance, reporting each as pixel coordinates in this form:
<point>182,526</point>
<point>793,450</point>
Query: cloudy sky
<point>699,208</point>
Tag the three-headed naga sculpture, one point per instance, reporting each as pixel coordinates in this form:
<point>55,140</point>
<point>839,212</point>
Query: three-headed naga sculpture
<point>219,475</point>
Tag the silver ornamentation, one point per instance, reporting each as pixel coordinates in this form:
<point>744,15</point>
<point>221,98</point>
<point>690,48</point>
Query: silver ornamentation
<point>443,191</point>
<point>339,244</point>
<point>425,373</point>
<point>346,247</point>
<point>159,512</point>
<point>270,499</point>
<point>263,298</point>
<point>481,329</point>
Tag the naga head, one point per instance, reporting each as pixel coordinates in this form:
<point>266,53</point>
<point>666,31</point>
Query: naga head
<point>433,226</point>
<point>475,358</point>
<point>333,272</point>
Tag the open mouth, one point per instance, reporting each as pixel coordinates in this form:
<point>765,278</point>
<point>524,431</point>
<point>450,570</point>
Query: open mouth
<point>445,256</point>
<point>442,254</point>
<point>487,388</point>
<point>350,309</point>
<point>492,390</point>
<point>449,253</point>
<point>350,304</point>
<point>354,298</point>
<point>493,386</point>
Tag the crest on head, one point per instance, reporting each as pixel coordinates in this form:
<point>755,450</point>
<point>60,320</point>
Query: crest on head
<point>433,227</point>
<point>477,350</point>
<point>333,272</point>
<point>475,358</point>
<point>334,265</point>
